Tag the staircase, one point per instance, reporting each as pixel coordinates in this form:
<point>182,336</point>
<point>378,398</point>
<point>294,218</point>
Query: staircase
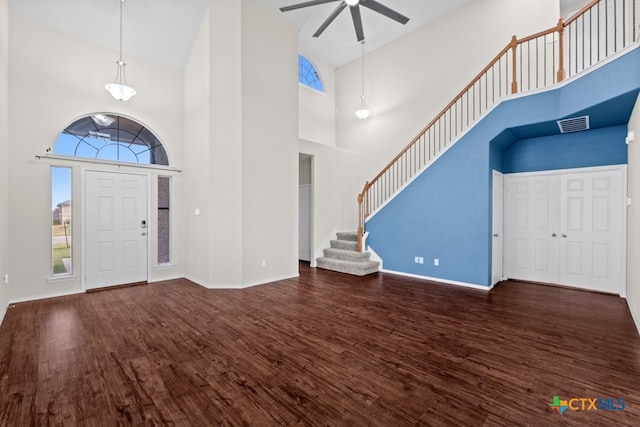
<point>344,257</point>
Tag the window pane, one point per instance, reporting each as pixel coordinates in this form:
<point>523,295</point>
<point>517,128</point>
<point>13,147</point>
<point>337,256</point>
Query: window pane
<point>164,219</point>
<point>61,220</point>
<point>112,138</point>
<point>307,74</point>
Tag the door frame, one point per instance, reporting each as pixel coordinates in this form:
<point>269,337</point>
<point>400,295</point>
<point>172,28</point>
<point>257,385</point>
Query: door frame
<point>83,217</point>
<point>624,190</point>
<point>497,242</point>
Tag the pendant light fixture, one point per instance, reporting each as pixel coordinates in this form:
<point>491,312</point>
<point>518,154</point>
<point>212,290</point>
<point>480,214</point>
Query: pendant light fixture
<point>363,112</point>
<point>119,89</point>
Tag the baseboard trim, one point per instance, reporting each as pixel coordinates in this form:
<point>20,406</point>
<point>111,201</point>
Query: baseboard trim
<point>46,296</point>
<point>240,286</point>
<point>3,313</point>
<point>441,281</point>
<point>636,319</point>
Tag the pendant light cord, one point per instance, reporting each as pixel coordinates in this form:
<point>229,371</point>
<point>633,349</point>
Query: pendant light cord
<point>121,1</point>
<point>362,69</point>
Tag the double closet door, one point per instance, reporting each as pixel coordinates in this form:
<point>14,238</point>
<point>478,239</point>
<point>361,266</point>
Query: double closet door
<point>567,228</point>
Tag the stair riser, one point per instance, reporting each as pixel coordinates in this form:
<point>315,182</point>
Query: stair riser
<point>357,270</point>
<point>351,237</point>
<point>347,256</point>
<point>343,244</point>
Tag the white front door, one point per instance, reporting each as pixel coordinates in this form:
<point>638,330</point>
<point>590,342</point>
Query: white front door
<point>592,230</point>
<point>115,229</point>
<point>497,214</point>
<point>567,228</point>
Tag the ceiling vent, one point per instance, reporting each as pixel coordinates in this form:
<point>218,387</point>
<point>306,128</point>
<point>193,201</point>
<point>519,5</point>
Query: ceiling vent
<point>575,124</point>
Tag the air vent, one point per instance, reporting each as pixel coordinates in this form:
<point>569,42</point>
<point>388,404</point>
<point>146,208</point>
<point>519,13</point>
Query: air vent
<point>575,124</point>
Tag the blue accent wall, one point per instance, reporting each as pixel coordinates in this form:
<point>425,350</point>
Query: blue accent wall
<point>598,147</point>
<point>445,212</point>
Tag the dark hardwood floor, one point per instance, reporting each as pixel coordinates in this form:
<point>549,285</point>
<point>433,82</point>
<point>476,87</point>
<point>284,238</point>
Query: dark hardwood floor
<point>324,349</point>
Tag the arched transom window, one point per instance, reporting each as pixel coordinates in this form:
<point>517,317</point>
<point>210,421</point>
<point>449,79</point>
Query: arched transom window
<point>308,75</point>
<point>111,137</point>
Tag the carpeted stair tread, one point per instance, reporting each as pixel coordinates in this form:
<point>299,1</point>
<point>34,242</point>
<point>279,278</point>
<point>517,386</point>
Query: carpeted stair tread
<point>351,236</point>
<point>347,255</point>
<point>349,267</point>
<point>344,244</point>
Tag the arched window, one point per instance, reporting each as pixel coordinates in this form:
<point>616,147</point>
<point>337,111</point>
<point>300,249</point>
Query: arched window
<point>111,137</point>
<point>308,75</point>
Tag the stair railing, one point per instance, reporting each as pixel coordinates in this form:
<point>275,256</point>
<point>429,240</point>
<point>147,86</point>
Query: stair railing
<point>594,33</point>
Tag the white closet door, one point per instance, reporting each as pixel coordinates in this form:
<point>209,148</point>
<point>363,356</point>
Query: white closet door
<point>592,230</point>
<point>567,228</point>
<point>533,214</point>
<point>304,222</point>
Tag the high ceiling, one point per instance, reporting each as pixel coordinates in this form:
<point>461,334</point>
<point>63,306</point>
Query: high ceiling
<point>163,30</point>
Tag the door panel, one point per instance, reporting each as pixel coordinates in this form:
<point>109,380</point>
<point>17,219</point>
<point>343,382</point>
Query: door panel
<point>115,229</point>
<point>591,247</point>
<point>497,228</point>
<point>532,226</point>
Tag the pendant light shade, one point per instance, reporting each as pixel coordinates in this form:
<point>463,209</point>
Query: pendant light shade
<point>119,89</point>
<point>363,112</point>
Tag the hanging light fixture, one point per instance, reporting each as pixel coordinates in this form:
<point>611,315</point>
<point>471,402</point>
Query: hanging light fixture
<point>362,113</point>
<point>119,89</point>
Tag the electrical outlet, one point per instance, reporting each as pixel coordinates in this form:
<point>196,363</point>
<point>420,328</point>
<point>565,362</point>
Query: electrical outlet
<point>436,261</point>
<point>6,279</point>
<point>264,262</point>
<point>418,260</point>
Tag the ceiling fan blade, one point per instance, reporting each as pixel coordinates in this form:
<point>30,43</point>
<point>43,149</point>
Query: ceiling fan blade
<point>305,4</point>
<point>357,22</point>
<point>384,10</point>
<point>330,19</point>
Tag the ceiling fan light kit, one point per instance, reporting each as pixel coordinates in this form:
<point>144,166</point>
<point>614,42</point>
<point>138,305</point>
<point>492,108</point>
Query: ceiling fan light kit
<point>119,88</point>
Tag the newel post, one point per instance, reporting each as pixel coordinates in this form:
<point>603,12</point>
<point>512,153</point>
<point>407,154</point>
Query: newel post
<point>361,217</point>
<point>562,73</point>
<point>514,65</point>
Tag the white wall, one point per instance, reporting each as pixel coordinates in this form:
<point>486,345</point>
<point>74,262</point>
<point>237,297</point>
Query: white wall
<point>633,218</point>
<point>241,144</point>
<point>317,120</point>
<point>4,148</point>
<point>55,78</point>
<point>410,80</point>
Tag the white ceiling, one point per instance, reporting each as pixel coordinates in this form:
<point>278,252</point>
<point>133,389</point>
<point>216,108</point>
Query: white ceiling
<point>163,31</point>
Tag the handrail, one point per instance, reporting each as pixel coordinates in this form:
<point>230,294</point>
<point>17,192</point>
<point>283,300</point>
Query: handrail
<point>526,66</point>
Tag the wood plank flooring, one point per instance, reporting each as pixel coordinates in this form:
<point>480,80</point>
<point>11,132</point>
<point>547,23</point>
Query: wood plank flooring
<point>325,349</point>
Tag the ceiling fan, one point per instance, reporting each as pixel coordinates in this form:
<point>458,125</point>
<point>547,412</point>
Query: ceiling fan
<point>354,5</point>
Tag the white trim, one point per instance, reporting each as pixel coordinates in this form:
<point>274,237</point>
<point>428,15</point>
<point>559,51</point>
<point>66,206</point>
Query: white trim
<point>242,285</point>
<point>107,162</point>
<point>636,319</point>
<point>46,296</point>
<point>554,87</point>
<point>3,313</point>
<point>441,281</point>
<point>62,278</point>
<point>166,279</point>
<point>374,256</point>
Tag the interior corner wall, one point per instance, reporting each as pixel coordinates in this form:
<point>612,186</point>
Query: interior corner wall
<point>408,81</point>
<point>633,218</point>
<point>4,149</point>
<point>197,112</point>
<point>269,145</point>
<point>241,115</point>
<point>55,78</point>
